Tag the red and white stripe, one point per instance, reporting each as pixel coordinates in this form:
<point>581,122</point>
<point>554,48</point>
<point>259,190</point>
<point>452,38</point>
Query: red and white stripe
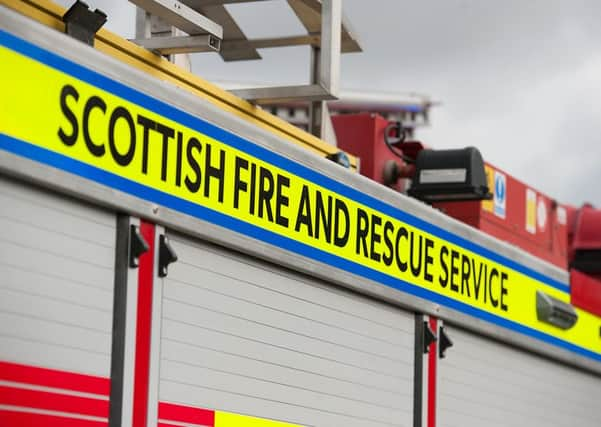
<point>35,396</point>
<point>143,336</point>
<point>432,377</point>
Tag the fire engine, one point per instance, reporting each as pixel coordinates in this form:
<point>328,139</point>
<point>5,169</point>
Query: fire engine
<point>172,254</point>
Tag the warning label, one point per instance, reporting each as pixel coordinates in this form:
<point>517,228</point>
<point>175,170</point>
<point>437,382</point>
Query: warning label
<point>500,194</point>
<point>530,211</point>
<point>487,205</point>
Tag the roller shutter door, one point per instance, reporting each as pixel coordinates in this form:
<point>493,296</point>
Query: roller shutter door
<point>56,291</point>
<point>250,338</point>
<point>483,382</point>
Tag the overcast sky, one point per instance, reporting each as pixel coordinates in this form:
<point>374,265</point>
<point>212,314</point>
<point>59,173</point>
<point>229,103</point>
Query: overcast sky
<point>520,80</point>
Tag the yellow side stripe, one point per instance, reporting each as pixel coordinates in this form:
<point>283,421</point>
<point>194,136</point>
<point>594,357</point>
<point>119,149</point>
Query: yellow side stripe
<point>225,419</point>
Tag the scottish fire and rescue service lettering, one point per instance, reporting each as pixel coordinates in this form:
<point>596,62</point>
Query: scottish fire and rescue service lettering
<point>59,113</point>
<point>207,172</point>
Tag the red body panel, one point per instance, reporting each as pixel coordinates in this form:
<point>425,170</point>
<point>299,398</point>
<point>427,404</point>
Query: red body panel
<point>363,136</point>
<point>587,229</point>
<point>585,291</point>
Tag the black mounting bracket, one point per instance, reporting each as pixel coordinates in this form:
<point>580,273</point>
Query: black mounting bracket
<point>444,343</point>
<point>166,255</point>
<point>137,246</point>
<point>429,337</point>
<point>82,23</point>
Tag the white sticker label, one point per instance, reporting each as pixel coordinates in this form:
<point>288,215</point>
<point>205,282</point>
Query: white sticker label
<point>562,215</point>
<point>500,194</point>
<point>433,176</point>
<point>530,211</point>
<point>541,214</point>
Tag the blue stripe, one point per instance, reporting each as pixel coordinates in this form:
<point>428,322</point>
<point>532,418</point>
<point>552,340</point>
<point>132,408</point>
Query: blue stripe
<point>244,145</point>
<point>70,165</point>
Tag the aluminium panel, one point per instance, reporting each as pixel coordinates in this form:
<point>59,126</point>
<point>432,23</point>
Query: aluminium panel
<point>483,382</point>
<point>56,292</point>
<point>252,338</point>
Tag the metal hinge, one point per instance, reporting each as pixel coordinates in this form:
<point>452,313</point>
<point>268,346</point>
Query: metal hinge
<point>429,337</point>
<point>166,255</point>
<point>137,246</point>
<point>443,343</point>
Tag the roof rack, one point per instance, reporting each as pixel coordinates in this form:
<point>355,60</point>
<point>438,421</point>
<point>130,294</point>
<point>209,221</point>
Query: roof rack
<point>187,26</point>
